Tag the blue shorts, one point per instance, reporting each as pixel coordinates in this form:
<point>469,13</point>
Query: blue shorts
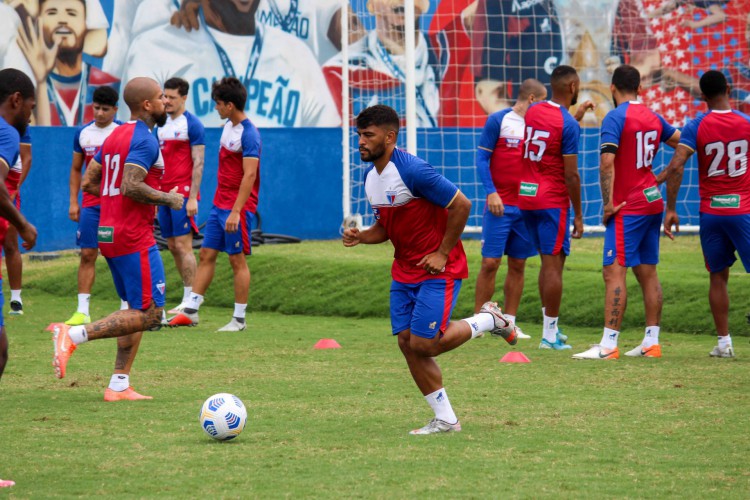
<point>175,223</point>
<point>139,278</point>
<point>424,307</point>
<point>632,239</point>
<point>721,236</point>
<point>506,235</point>
<point>549,230</point>
<point>216,237</point>
<point>88,227</point>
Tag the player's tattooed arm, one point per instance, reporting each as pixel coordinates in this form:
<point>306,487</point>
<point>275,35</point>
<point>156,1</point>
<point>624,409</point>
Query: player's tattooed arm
<point>134,187</point>
<point>607,182</point>
<point>92,179</point>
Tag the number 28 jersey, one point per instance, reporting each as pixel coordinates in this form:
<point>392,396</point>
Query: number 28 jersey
<point>125,225</point>
<point>721,140</point>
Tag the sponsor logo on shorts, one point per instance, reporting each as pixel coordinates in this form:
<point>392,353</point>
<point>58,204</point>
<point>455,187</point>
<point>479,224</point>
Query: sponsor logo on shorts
<point>652,194</point>
<point>105,234</point>
<point>528,189</point>
<point>433,325</point>
<point>725,201</point>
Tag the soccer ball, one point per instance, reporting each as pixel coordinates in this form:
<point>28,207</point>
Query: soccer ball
<point>223,416</point>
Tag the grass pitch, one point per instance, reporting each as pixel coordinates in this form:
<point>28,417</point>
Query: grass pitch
<point>334,423</point>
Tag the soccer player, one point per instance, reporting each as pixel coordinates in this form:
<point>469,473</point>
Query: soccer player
<point>499,165</point>
<point>633,208</point>
<point>17,102</point>
<point>86,143</point>
<point>183,147</point>
<point>720,137</point>
<point>13,261</point>
<point>423,215</point>
<point>230,222</point>
<point>549,184</point>
<point>126,173</point>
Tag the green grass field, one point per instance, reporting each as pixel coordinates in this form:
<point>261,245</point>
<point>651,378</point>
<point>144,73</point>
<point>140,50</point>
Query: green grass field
<point>333,423</point>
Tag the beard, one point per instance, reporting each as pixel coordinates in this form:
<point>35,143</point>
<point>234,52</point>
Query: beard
<point>372,155</point>
<point>575,99</point>
<point>21,126</point>
<point>161,119</point>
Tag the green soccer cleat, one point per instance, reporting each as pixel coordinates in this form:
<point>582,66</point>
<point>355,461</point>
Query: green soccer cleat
<point>78,318</point>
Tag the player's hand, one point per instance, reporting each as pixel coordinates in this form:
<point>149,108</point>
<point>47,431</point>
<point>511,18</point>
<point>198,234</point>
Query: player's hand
<point>610,210</point>
<point>192,207</point>
<point>74,212</point>
<point>233,222</point>
<point>28,235</point>
<point>187,17</point>
<point>671,219</point>
<point>495,205</point>
<point>577,227</point>
<point>175,199</point>
<point>433,263</point>
<point>582,108</point>
<point>350,237</point>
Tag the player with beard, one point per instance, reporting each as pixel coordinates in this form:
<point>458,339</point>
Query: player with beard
<point>549,184</point>
<point>126,173</point>
<point>16,105</point>
<point>53,48</point>
<point>423,215</point>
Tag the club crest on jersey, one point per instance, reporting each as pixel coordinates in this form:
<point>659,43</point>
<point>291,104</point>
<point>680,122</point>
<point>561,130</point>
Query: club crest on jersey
<point>376,213</point>
<point>161,287</point>
<point>391,195</point>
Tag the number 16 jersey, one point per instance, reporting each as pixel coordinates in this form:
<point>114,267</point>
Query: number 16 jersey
<point>126,225</point>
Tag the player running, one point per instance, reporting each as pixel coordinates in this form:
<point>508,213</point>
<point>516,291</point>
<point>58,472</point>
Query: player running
<point>182,144</point>
<point>633,208</point>
<point>499,165</point>
<point>423,215</point>
<point>549,184</point>
<point>720,137</point>
<point>17,102</point>
<point>126,172</point>
<point>86,143</point>
<point>236,200</point>
<point>13,261</point>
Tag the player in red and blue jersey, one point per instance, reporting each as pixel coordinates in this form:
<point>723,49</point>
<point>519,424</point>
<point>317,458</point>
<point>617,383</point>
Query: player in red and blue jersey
<point>721,138</point>
<point>633,207</point>
<point>17,101</point>
<point>549,184</point>
<point>229,225</point>
<point>126,173</point>
<point>86,143</point>
<point>8,232</point>
<point>423,215</point>
<point>499,165</point>
<point>183,146</point>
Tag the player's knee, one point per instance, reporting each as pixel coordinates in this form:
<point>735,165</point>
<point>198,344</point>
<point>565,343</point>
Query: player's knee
<point>89,255</point>
<point>238,262</point>
<point>208,256</point>
<point>516,266</point>
<point>490,265</point>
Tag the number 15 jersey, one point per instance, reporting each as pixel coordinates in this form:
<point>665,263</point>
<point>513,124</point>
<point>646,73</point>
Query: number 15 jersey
<point>721,140</point>
<point>126,225</point>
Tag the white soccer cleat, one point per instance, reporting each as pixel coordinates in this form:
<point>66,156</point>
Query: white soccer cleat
<point>178,309</point>
<point>503,327</point>
<point>233,326</point>
<point>598,352</point>
<point>436,426</point>
<point>520,334</point>
<point>653,351</point>
<point>718,352</point>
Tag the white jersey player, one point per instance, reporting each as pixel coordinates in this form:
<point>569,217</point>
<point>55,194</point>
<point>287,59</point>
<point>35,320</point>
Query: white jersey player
<point>285,84</point>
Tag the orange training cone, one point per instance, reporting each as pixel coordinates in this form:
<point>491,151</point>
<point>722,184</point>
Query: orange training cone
<point>515,357</point>
<point>326,344</point>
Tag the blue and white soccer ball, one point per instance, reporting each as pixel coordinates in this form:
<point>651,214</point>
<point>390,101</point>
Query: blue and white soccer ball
<point>223,416</point>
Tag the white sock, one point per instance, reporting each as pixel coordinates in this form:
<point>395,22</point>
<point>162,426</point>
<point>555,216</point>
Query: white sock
<point>124,305</point>
<point>187,290</point>
<point>119,382</point>
<point>651,336</point>
<point>511,317</point>
<point>550,328</point>
<point>438,400</point>
<point>194,301</point>
<point>16,295</point>
<point>480,323</point>
<point>609,338</point>
<point>239,310</point>
<point>83,303</point>
<point>725,341</point>
<point>78,334</point>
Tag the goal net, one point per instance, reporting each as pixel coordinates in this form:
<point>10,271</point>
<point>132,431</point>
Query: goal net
<point>468,58</point>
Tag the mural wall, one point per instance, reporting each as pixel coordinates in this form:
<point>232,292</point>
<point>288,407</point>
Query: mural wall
<point>471,54</point>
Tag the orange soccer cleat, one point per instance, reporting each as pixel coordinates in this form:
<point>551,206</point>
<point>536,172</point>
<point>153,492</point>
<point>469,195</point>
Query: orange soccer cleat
<point>184,319</point>
<point>128,394</point>
<point>653,351</point>
<point>64,348</point>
